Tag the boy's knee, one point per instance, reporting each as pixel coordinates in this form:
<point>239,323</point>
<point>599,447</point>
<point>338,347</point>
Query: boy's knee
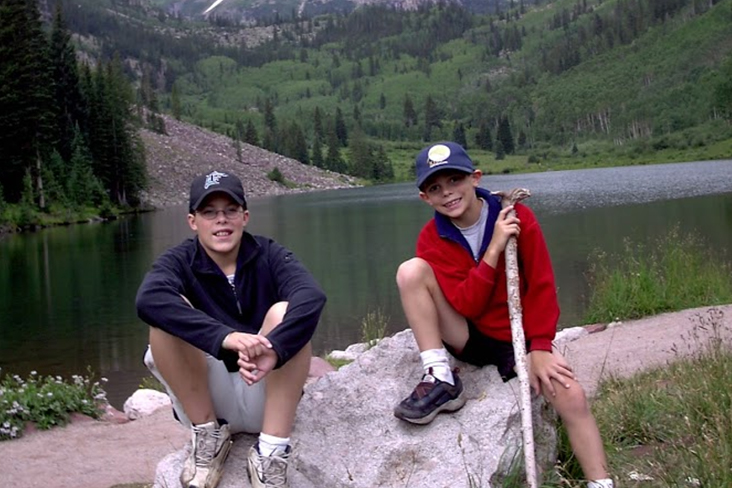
<point>413,271</point>
<point>275,315</point>
<point>574,402</point>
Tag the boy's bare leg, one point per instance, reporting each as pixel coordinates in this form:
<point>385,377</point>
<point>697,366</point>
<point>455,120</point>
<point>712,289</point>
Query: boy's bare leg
<point>185,370</point>
<point>283,386</point>
<point>428,313</point>
<point>584,436</point>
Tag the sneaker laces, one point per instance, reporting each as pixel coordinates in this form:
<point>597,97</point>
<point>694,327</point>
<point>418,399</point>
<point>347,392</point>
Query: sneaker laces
<point>425,386</point>
<point>207,441</point>
<point>273,469</point>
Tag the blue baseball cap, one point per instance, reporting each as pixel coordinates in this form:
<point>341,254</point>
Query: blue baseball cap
<point>440,156</point>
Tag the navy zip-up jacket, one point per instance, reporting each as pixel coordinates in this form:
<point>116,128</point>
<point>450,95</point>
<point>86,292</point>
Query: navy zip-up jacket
<point>266,273</point>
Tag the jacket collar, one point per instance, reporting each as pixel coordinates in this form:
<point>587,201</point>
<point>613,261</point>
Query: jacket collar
<point>202,262</point>
<point>447,230</point>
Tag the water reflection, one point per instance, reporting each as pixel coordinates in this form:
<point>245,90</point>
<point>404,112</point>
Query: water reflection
<point>67,294</point>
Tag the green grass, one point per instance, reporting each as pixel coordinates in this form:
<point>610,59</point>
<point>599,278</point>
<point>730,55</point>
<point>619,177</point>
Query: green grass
<point>676,273</point>
<point>670,424</point>
<point>47,401</point>
<point>373,327</point>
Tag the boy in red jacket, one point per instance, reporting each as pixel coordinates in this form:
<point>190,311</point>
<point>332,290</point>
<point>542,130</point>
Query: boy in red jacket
<point>455,299</point>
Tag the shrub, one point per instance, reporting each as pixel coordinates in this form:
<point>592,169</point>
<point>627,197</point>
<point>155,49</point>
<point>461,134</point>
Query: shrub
<point>46,400</point>
<point>276,176</point>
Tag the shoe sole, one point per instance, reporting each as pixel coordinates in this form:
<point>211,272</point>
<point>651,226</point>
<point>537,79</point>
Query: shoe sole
<point>215,481</point>
<point>451,406</point>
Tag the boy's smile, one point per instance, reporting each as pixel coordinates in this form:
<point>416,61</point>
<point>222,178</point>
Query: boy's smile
<point>452,193</point>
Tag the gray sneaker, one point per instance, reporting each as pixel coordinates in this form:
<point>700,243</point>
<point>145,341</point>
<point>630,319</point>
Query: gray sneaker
<point>268,471</point>
<point>210,445</point>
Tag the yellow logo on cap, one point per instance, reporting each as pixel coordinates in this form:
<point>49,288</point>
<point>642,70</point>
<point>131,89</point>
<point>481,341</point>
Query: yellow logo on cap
<point>438,155</point>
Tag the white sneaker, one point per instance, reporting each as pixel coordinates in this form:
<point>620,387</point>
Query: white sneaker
<point>268,471</point>
<point>210,445</point>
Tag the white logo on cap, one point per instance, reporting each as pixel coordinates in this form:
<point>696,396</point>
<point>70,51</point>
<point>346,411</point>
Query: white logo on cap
<point>213,178</point>
<point>438,155</point>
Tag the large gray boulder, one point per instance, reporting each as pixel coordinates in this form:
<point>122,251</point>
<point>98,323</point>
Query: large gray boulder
<point>347,436</point>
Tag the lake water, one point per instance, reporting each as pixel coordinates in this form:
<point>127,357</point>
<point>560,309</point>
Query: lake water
<point>67,294</point>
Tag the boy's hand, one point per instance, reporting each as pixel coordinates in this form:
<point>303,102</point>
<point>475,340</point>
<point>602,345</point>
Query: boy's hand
<point>545,367</point>
<point>255,368</point>
<point>504,228</point>
<point>247,345</point>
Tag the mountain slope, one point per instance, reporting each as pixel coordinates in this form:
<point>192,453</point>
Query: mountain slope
<point>173,160</point>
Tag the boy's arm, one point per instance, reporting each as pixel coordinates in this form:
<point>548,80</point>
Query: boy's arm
<point>466,287</point>
<point>539,292</point>
<point>161,303</point>
<point>305,298</point>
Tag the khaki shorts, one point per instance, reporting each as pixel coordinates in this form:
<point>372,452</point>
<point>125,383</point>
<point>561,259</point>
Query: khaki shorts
<point>241,405</point>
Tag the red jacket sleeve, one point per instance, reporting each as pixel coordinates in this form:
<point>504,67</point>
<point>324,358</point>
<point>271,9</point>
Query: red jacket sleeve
<point>538,288</point>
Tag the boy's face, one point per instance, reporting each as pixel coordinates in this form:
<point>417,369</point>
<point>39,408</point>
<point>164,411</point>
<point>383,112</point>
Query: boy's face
<point>219,223</point>
<point>452,193</point>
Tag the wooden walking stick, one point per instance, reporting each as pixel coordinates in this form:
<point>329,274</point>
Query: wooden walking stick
<point>517,335</point>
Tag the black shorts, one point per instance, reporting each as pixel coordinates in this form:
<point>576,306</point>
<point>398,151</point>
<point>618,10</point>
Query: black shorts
<point>481,350</point>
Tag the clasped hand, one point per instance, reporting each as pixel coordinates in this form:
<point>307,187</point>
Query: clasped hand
<point>256,356</point>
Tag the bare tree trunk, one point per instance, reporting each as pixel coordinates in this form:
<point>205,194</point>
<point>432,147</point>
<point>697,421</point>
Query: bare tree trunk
<point>39,182</point>
<point>519,341</point>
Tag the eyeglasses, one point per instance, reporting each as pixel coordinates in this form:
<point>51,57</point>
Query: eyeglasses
<point>212,213</point>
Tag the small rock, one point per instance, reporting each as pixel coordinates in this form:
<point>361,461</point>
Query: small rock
<point>144,402</point>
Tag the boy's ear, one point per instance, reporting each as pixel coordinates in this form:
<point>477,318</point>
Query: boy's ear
<point>423,196</point>
<point>475,176</point>
<point>192,222</point>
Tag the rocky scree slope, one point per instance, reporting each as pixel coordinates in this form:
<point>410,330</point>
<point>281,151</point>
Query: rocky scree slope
<point>186,151</point>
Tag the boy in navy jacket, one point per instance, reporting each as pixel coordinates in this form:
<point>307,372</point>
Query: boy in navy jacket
<point>455,299</point>
<point>231,317</point>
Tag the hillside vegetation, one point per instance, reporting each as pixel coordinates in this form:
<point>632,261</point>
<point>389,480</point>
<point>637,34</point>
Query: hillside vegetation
<point>565,84</point>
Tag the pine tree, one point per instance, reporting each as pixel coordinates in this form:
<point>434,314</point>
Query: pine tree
<point>431,117</point>
<point>117,151</point>
<point>294,143</point>
<point>458,134</point>
<point>360,158</point>
<point>483,138</point>
<point>270,122</point>
<point>410,115</point>
<point>251,136</point>
<point>67,92</point>
<point>27,111</point>
<point>175,107</point>
<point>504,135</point>
<point>383,169</point>
<point>340,128</point>
<point>333,159</point>
<point>500,152</point>
<point>318,132</point>
<point>317,154</point>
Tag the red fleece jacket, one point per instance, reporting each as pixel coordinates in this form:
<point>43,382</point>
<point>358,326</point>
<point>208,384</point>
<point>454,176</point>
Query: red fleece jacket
<point>479,292</point>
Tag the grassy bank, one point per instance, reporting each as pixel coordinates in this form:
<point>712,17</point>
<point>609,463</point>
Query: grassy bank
<point>710,142</point>
<point>675,273</point>
<point>670,426</point>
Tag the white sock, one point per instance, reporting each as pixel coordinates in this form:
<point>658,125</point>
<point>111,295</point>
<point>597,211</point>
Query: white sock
<point>603,483</point>
<point>437,360</point>
<point>269,444</point>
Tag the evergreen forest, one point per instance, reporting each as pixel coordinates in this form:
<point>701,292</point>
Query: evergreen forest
<point>572,83</point>
<point>69,144</point>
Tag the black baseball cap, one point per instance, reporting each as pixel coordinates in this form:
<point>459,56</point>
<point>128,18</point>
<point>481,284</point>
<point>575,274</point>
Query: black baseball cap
<point>216,181</point>
<point>440,156</point>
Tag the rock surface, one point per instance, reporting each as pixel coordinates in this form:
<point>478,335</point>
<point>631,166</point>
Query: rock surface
<point>347,436</point>
<point>186,151</point>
